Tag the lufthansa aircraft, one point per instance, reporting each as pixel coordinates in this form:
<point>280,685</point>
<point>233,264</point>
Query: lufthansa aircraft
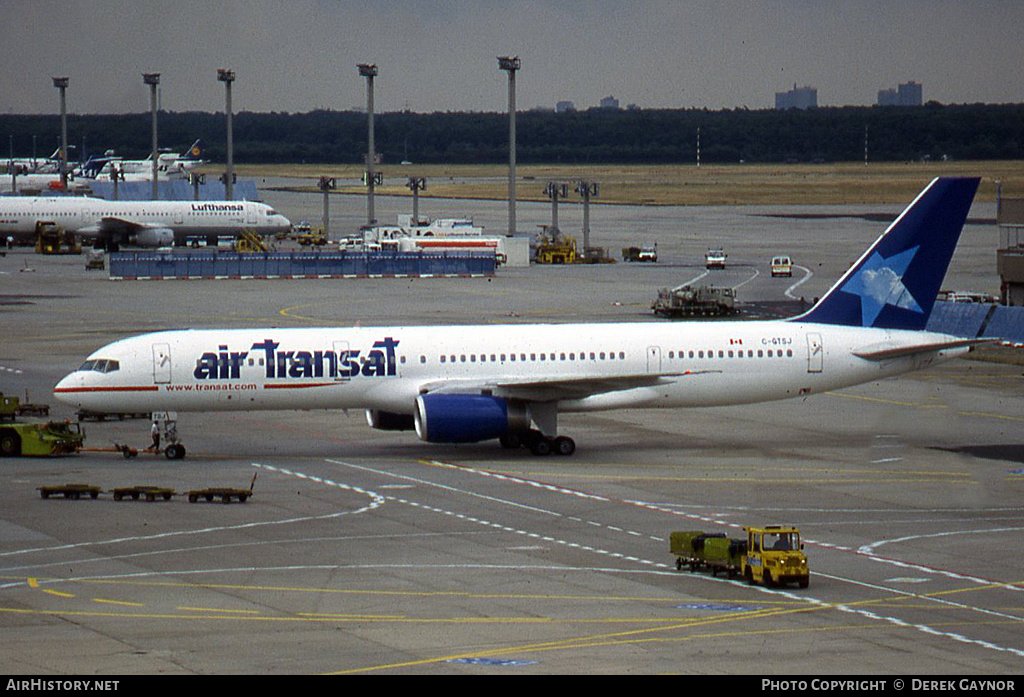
<point>510,382</point>
<point>142,223</point>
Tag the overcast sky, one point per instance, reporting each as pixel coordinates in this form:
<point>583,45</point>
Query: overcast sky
<point>440,55</point>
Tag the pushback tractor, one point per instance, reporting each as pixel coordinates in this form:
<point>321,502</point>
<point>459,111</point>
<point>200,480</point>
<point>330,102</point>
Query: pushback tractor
<point>771,555</point>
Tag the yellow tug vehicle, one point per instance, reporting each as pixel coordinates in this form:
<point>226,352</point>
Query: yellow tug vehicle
<point>770,555</point>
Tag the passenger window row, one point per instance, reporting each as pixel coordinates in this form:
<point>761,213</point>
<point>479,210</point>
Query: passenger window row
<point>731,353</point>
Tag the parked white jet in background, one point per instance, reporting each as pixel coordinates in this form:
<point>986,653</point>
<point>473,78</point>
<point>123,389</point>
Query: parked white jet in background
<point>466,384</point>
<point>142,223</point>
<point>170,165</point>
<point>35,165</point>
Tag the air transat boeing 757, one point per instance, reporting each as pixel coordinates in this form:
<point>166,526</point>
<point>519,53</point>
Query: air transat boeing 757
<point>468,384</point>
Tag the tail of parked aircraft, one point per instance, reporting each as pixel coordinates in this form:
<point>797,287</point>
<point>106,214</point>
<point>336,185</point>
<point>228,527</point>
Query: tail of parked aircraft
<point>895,283</point>
<point>195,151</point>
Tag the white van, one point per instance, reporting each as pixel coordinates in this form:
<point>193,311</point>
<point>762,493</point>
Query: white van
<point>782,266</point>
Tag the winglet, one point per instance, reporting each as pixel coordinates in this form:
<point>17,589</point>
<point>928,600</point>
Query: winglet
<point>895,283</point>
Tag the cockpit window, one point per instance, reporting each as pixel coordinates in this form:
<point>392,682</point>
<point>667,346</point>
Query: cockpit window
<point>101,365</point>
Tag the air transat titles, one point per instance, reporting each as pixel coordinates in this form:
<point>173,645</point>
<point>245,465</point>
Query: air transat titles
<point>225,364</point>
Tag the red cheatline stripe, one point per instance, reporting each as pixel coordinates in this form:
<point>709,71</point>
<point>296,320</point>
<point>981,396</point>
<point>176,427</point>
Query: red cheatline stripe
<point>296,386</point>
<point>148,388</point>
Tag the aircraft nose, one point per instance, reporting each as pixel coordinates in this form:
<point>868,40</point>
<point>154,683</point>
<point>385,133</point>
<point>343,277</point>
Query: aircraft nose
<point>66,390</point>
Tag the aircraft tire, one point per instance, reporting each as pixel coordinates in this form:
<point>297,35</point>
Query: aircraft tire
<point>564,445</point>
<point>510,441</point>
<point>541,446</point>
<point>175,451</point>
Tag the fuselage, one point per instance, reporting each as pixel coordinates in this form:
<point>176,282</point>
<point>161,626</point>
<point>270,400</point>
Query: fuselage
<point>386,368</point>
<point>89,216</point>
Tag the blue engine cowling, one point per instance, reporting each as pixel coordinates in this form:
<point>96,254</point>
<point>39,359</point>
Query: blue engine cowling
<point>467,418</point>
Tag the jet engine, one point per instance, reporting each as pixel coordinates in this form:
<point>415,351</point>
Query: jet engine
<point>467,418</point>
<point>389,420</point>
<point>154,237</point>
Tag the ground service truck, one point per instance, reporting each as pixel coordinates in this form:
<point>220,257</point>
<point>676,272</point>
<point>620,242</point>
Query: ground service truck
<point>40,439</point>
<point>772,555</point>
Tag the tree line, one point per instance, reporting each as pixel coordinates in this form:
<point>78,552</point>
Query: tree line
<point>594,136</point>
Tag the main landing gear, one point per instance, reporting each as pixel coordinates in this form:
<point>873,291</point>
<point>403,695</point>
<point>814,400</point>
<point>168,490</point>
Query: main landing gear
<point>538,443</point>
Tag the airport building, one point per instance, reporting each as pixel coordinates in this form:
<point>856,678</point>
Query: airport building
<point>797,98</point>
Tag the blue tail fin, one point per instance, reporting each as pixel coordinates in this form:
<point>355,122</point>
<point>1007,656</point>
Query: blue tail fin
<point>895,283</point>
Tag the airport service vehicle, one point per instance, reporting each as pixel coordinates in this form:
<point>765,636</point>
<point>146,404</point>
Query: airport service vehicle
<point>782,266</point>
<point>770,555</point>
<point>702,301</point>
<point>715,259</point>
<point>483,245</point>
<point>463,384</point>
<point>12,407</point>
<point>40,439</point>
<point>143,223</point>
<point>646,253</point>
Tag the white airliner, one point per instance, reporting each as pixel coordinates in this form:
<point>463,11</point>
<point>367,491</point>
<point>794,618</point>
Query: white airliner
<point>35,165</point>
<point>170,165</point>
<point>474,383</point>
<point>142,223</point>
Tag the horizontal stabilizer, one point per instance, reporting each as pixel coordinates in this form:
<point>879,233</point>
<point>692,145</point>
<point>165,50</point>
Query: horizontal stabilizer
<point>882,352</point>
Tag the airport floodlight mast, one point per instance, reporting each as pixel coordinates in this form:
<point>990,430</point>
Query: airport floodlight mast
<point>416,184</point>
<point>511,64</point>
<point>369,71</point>
<point>587,190</point>
<point>327,185</point>
<point>555,191</point>
<point>61,83</point>
<point>153,79</point>
<point>227,77</point>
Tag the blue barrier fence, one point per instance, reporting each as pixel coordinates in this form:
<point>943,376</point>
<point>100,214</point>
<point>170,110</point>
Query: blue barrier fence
<point>170,190</point>
<point>978,320</point>
<point>149,265</point>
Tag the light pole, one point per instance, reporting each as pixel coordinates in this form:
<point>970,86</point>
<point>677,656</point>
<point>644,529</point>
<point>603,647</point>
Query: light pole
<point>417,184</point>
<point>587,190</point>
<point>369,71</point>
<point>153,79</point>
<point>227,77</point>
<point>327,185</point>
<point>61,83</point>
<point>555,191</point>
<point>511,64</point>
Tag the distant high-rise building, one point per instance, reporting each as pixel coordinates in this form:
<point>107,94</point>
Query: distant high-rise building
<point>609,103</point>
<point>564,107</point>
<point>886,97</point>
<point>797,98</point>
<point>907,94</point>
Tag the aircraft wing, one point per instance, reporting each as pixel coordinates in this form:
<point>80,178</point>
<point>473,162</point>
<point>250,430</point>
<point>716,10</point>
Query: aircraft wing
<point>882,352</point>
<point>557,388</point>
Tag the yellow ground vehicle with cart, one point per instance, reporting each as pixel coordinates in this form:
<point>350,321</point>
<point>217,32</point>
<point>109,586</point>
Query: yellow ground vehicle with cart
<point>770,555</point>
